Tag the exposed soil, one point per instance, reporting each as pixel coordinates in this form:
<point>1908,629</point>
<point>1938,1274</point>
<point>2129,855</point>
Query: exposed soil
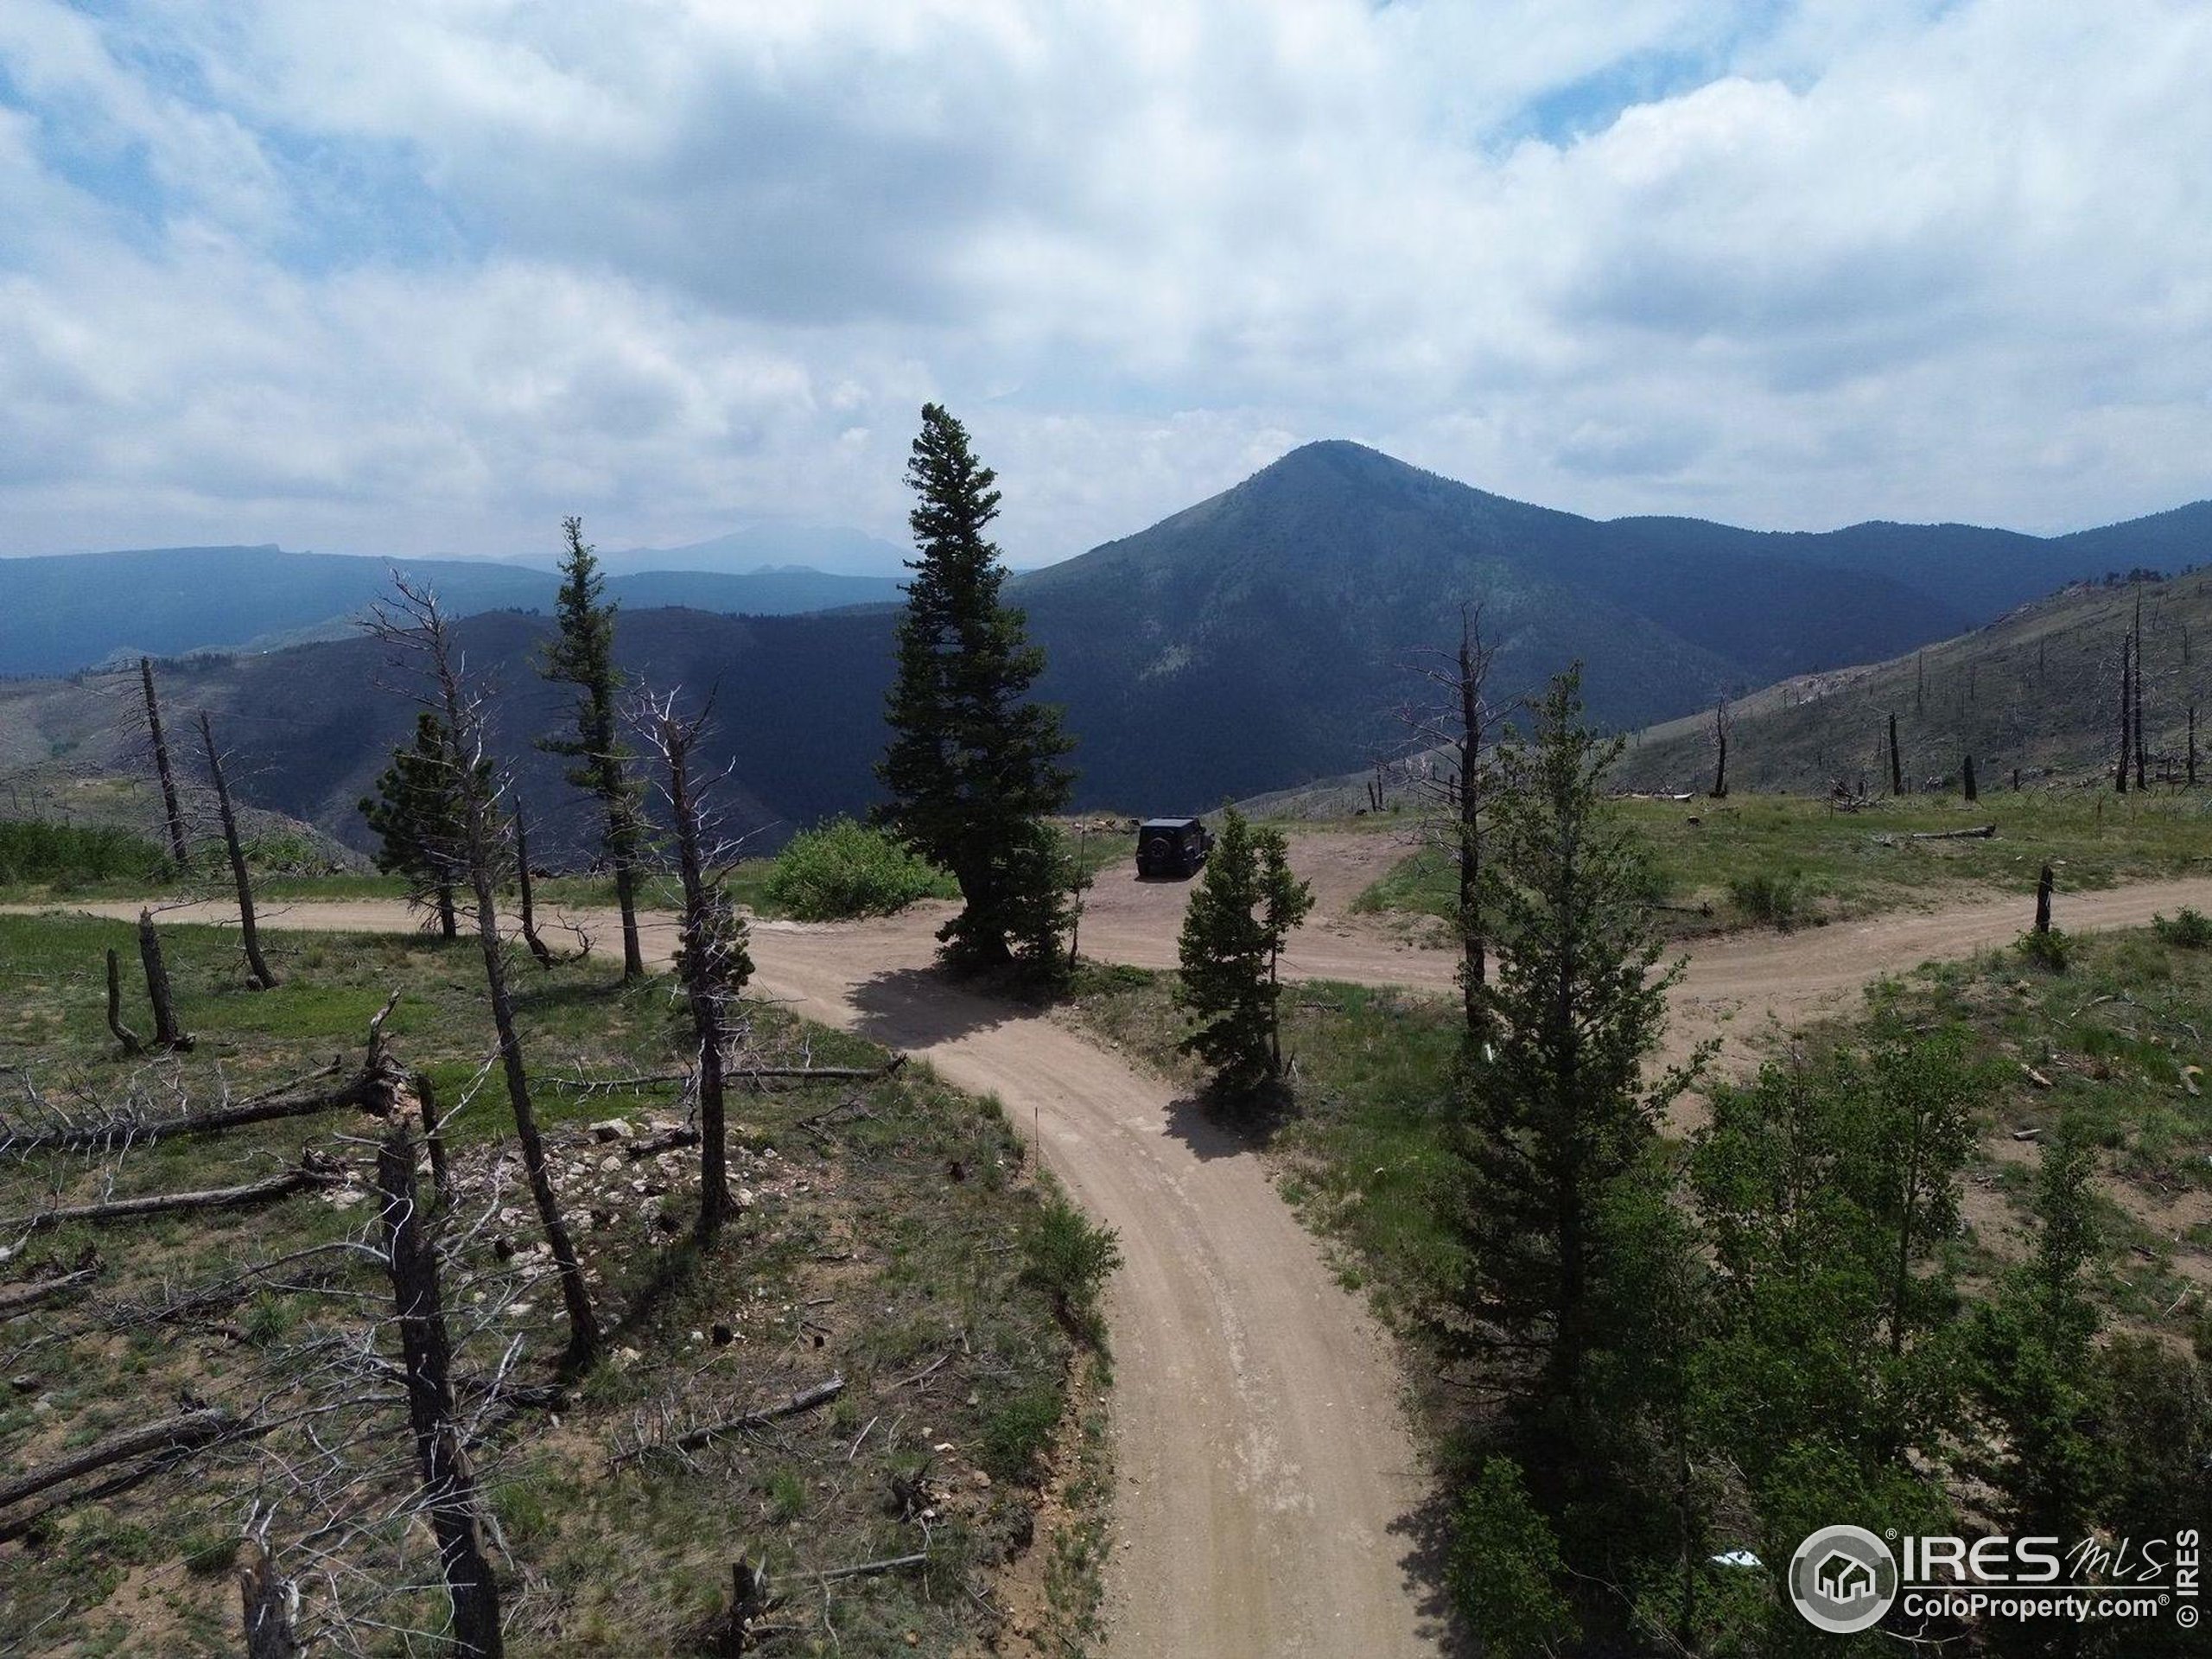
<point>1270,1500</point>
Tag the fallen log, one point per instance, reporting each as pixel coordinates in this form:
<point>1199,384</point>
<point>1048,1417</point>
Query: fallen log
<point>313,1170</point>
<point>806,1400</point>
<point>1979,832</point>
<point>737,1073</point>
<point>21,1299</point>
<point>183,1433</point>
<point>890,1564</point>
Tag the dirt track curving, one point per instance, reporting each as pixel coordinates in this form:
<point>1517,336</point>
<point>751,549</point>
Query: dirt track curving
<point>1269,1491</point>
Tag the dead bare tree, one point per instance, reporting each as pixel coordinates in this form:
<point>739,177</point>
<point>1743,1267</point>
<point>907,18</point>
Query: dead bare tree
<point>417,630</point>
<point>173,813</point>
<point>1459,723</point>
<point>166,1032</point>
<point>449,1483</point>
<point>2138,715</point>
<point>1897,761</point>
<point>524,883</point>
<point>261,975</point>
<point>715,962</point>
<point>2126,713</point>
<point>124,1036</point>
<point>1720,749</point>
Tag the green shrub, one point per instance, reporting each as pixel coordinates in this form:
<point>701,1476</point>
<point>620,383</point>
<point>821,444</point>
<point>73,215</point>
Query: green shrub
<point>32,850</point>
<point>1505,1567</point>
<point>847,870</point>
<point>2049,951</point>
<point>2191,930</point>
<point>1017,1433</point>
<point>1069,1258</point>
<point>1776,901</point>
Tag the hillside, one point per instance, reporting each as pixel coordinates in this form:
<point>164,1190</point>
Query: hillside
<point>1259,640</point>
<point>2037,690</point>
<point>74,610</point>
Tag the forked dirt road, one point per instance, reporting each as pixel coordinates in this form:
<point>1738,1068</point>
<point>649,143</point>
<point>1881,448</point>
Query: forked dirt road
<point>1269,1489</point>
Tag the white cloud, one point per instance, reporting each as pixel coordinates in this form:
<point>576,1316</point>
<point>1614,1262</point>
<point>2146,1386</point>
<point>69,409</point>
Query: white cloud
<point>426,274</point>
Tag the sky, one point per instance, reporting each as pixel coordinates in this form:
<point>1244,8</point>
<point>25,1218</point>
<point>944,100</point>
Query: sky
<point>419,276</point>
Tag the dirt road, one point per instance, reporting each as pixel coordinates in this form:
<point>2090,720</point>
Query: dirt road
<point>1268,1483</point>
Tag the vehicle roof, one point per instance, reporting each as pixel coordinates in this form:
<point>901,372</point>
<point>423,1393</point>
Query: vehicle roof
<point>1167,824</point>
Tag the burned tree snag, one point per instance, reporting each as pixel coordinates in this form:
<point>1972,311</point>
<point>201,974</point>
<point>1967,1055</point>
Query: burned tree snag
<point>249,934</point>
<point>434,1136</point>
<point>2044,885</point>
<point>523,882</point>
<point>173,814</point>
<point>1966,780</point>
<point>715,962</point>
<point>2126,706</point>
<point>1896,763</point>
<point>2137,716</point>
<point>269,1603</point>
<point>2190,776</point>
<point>1721,749</point>
<point>165,1033</point>
<point>123,1034</point>
<point>449,1485</point>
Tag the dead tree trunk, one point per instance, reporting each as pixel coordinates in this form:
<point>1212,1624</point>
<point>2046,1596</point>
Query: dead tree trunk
<point>1896,763</point>
<point>165,1033</point>
<point>123,1034</point>
<point>258,967</point>
<point>2189,776</point>
<point>1720,750</point>
<point>2044,882</point>
<point>268,1604</point>
<point>434,1136</point>
<point>1966,780</point>
<point>449,1485</point>
<point>523,882</point>
<point>313,1170</point>
<point>2138,715</point>
<point>2126,706</point>
<point>415,624</point>
<point>715,963</point>
<point>173,814</point>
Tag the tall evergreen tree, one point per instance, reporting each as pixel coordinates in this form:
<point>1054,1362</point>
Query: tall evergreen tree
<point>417,817</point>
<point>974,766</point>
<point>1554,1117</point>
<point>582,655</point>
<point>1239,917</point>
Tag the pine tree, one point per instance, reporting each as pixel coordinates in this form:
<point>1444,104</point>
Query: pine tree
<point>1239,917</point>
<point>417,817</point>
<point>1553,1114</point>
<point>582,655</point>
<point>973,767</point>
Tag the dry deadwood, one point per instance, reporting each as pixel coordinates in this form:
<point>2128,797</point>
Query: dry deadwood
<point>270,1607</point>
<point>371,1090</point>
<point>124,1035</point>
<point>166,1034</point>
<point>862,1569</point>
<point>698,1438</point>
<point>315,1169</point>
<point>164,1442</point>
<point>21,1299</point>
<point>738,1073</point>
<point>1979,832</point>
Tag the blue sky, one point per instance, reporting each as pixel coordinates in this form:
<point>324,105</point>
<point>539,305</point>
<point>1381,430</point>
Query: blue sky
<point>423,276</point>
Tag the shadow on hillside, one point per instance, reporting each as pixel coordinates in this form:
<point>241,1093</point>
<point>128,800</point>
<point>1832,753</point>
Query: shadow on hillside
<point>914,1008</point>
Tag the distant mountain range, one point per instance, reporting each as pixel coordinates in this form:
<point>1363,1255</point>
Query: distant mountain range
<point>1260,638</point>
<point>71,611</point>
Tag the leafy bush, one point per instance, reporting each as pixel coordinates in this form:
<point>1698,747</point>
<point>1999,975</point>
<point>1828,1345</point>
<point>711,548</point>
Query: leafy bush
<point>1776,901</point>
<point>1070,1259</point>
<point>31,850</point>
<point>847,870</point>
<point>2191,930</point>
<point>2049,951</point>
<point>1505,1567</point>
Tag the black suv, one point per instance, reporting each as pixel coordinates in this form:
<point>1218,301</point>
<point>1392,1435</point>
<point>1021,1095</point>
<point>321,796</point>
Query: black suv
<point>1172,847</point>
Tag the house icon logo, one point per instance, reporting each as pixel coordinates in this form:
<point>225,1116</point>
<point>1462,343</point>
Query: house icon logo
<point>1843,1579</point>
